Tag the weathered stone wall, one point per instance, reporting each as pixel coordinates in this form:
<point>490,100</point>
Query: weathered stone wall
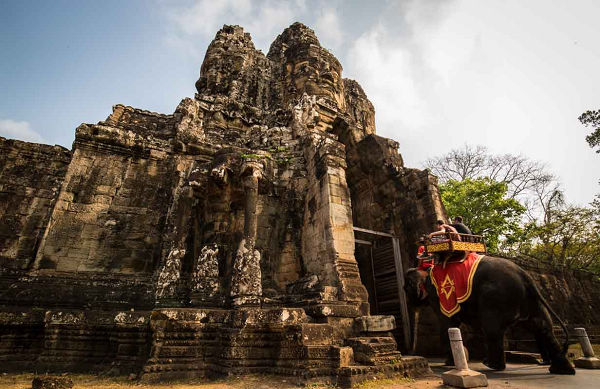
<point>387,196</point>
<point>140,123</point>
<point>359,108</point>
<point>573,295</point>
<point>110,211</point>
<point>77,341</point>
<point>30,179</point>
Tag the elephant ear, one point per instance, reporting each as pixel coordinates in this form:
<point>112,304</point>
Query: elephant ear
<point>415,278</point>
<point>423,274</point>
<point>421,279</point>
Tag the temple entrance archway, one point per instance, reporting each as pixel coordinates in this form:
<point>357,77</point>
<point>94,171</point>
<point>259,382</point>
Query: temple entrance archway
<point>381,271</point>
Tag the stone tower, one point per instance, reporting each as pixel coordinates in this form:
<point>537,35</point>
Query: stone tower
<point>219,239</point>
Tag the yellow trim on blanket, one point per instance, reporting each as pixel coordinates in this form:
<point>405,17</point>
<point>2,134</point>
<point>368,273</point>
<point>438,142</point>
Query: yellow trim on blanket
<point>467,294</point>
<point>435,285</point>
<point>452,312</point>
<point>470,281</point>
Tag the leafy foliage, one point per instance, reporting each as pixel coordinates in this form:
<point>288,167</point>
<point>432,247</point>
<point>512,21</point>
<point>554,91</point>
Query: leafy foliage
<point>527,181</point>
<point>570,237</point>
<point>592,119</point>
<point>485,208</point>
<point>519,207</point>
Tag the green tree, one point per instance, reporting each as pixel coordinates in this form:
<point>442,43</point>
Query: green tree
<point>592,119</point>
<point>485,207</point>
<point>528,182</point>
<point>570,237</point>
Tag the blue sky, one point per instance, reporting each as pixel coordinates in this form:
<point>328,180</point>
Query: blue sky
<point>507,74</point>
<point>64,64</point>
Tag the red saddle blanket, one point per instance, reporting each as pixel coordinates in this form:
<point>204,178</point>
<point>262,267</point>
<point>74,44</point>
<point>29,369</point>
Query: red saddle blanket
<point>454,282</point>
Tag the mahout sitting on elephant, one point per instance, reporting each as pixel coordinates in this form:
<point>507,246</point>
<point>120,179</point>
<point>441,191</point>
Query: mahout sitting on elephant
<point>501,294</point>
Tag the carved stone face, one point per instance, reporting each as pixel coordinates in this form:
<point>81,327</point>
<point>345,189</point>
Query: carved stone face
<point>316,74</point>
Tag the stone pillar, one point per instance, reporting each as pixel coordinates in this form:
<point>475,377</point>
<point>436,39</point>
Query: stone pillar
<point>589,360</point>
<point>461,376</point>
<point>327,234</point>
<point>251,171</point>
<point>246,286</point>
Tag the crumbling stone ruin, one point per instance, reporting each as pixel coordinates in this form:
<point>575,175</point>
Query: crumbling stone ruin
<point>252,230</point>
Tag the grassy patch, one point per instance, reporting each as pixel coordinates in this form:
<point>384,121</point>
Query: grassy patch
<point>575,351</point>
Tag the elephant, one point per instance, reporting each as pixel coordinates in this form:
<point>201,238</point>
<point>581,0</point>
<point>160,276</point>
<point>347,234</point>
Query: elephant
<point>502,295</point>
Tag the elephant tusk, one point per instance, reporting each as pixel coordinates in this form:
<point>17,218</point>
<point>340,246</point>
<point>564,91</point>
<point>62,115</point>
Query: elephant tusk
<point>415,326</point>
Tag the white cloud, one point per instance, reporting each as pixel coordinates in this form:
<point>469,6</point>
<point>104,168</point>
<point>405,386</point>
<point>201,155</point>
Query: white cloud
<point>19,130</point>
<point>263,19</point>
<point>386,72</point>
<point>508,75</point>
<point>328,29</point>
<point>203,16</point>
<point>390,62</point>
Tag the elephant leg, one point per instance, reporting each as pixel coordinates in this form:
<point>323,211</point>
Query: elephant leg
<point>541,326</point>
<point>543,350</point>
<point>495,349</point>
<point>493,330</point>
<point>445,342</point>
<point>446,323</point>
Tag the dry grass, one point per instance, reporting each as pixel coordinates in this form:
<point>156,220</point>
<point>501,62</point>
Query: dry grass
<point>23,381</point>
<point>386,383</point>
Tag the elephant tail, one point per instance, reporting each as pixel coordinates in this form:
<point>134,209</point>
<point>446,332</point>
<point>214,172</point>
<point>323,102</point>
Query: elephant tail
<point>553,314</point>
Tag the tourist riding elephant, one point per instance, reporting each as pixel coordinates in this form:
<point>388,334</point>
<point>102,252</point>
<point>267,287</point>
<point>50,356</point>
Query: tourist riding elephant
<point>502,294</point>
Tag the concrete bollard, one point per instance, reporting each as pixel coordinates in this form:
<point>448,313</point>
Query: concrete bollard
<point>458,351</point>
<point>589,360</point>
<point>461,376</point>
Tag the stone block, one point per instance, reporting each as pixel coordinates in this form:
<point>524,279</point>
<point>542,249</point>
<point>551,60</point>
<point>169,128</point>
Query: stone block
<point>464,379</point>
<point>376,323</point>
<point>316,334</point>
<point>340,214</point>
<point>343,355</point>
<point>326,310</point>
<point>329,293</point>
<point>587,363</point>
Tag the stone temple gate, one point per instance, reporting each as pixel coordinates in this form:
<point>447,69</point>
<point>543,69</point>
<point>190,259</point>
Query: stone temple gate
<point>381,271</point>
<point>219,239</point>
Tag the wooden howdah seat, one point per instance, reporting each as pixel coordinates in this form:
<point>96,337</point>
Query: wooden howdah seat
<point>453,242</point>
